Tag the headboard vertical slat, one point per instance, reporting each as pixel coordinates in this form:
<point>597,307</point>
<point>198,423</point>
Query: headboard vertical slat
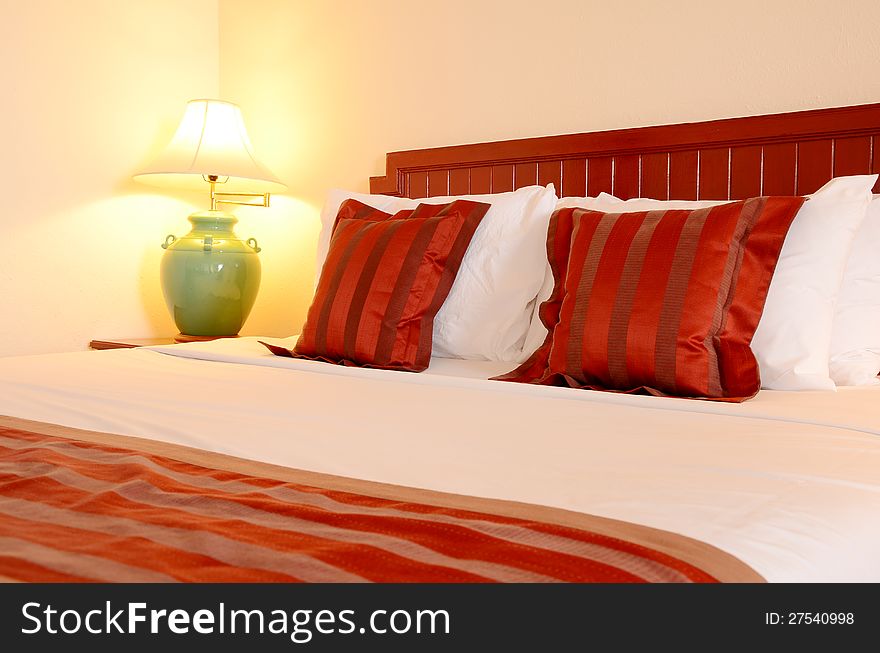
<point>525,174</point>
<point>780,160</point>
<point>600,171</point>
<point>481,180</point>
<point>626,176</point>
<point>438,182</point>
<point>814,164</point>
<point>713,174</point>
<point>875,158</point>
<point>574,178</point>
<point>683,175</point>
<point>745,171</point>
<point>655,176</point>
<point>418,184</point>
<point>502,178</point>
<point>550,172</point>
<point>852,155</point>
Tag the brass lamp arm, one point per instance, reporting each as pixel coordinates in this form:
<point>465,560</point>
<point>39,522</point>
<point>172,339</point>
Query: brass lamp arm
<point>220,197</point>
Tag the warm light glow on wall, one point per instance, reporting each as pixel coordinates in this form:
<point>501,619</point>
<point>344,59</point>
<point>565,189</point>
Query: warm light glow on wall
<point>112,289</point>
<point>80,246</point>
<point>288,233</point>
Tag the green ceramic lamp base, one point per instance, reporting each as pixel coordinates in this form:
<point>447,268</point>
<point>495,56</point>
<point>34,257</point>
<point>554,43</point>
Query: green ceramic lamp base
<point>210,277</point>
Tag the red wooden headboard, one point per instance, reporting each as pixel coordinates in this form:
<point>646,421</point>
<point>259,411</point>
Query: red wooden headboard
<point>781,154</point>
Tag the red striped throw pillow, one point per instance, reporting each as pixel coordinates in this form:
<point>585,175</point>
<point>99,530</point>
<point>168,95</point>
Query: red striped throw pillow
<point>384,279</point>
<point>663,302</point>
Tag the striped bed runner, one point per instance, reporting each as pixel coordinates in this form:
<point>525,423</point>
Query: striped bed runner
<point>83,506</point>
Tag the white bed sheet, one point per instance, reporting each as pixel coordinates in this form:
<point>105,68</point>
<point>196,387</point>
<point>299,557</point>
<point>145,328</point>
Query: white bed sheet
<point>788,482</point>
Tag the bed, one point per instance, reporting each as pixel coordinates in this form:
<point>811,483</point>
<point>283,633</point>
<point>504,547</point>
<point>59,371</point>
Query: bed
<point>219,461</point>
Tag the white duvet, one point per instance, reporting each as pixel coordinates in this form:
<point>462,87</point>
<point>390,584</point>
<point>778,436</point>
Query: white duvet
<point>788,482</point>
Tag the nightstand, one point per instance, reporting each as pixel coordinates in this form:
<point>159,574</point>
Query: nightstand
<point>129,343</point>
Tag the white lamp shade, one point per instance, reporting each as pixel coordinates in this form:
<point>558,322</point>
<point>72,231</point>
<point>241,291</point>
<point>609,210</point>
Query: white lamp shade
<point>211,140</point>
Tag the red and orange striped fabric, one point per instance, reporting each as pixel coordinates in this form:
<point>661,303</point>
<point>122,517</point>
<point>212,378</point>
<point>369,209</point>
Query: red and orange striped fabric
<point>74,510</point>
<point>384,279</point>
<point>664,302</point>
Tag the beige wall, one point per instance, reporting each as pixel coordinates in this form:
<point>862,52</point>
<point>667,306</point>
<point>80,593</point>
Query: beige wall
<point>89,90</point>
<point>330,86</point>
<point>327,87</point>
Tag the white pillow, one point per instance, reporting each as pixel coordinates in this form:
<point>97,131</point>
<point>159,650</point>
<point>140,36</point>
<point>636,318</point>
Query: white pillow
<point>608,203</point>
<point>793,340</point>
<point>488,310</point>
<point>855,337</point>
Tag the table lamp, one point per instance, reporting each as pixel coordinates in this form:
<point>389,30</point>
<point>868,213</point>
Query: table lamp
<point>210,277</point>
